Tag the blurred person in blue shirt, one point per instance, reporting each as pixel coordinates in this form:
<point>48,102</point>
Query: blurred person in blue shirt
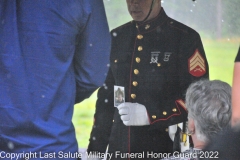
<point>53,54</point>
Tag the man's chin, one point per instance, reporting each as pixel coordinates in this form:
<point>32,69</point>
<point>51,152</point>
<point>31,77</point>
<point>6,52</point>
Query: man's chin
<point>138,19</point>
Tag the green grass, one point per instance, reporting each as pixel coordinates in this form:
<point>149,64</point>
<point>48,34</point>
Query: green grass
<point>220,55</point>
<point>83,119</point>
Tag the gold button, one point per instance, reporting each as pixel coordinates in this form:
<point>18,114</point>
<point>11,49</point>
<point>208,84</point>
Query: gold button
<point>133,96</point>
<point>154,117</point>
<point>166,129</point>
<point>138,59</point>
<point>174,110</point>
<point>139,36</point>
<point>135,83</point>
<point>115,60</point>
<point>147,26</point>
<point>113,120</point>
<point>164,113</point>
<point>136,71</point>
<point>140,48</point>
<point>136,26</point>
<point>159,64</point>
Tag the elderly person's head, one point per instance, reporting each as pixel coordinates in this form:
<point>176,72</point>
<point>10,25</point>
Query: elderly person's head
<point>209,109</point>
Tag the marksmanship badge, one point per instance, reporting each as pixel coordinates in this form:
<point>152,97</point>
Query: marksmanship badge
<point>154,56</point>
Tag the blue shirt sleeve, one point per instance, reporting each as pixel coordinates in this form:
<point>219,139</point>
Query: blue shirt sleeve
<point>92,53</point>
<point>52,52</point>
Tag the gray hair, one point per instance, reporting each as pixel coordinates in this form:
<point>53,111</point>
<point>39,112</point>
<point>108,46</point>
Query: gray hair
<point>209,105</point>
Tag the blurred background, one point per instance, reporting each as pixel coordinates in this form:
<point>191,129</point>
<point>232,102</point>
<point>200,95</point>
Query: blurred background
<point>218,23</point>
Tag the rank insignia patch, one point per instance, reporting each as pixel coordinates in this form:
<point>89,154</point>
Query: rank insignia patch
<point>196,64</point>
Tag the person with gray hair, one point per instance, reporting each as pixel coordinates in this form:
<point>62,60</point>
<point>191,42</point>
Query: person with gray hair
<point>209,112</point>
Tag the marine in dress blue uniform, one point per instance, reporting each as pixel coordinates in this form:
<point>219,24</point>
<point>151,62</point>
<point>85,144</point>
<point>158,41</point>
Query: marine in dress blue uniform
<point>155,61</point>
<point>52,54</point>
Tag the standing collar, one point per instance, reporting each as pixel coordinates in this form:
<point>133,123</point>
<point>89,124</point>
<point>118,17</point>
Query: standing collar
<point>153,23</point>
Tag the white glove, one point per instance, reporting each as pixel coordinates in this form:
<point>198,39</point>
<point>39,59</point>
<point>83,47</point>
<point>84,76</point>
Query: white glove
<point>133,114</point>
